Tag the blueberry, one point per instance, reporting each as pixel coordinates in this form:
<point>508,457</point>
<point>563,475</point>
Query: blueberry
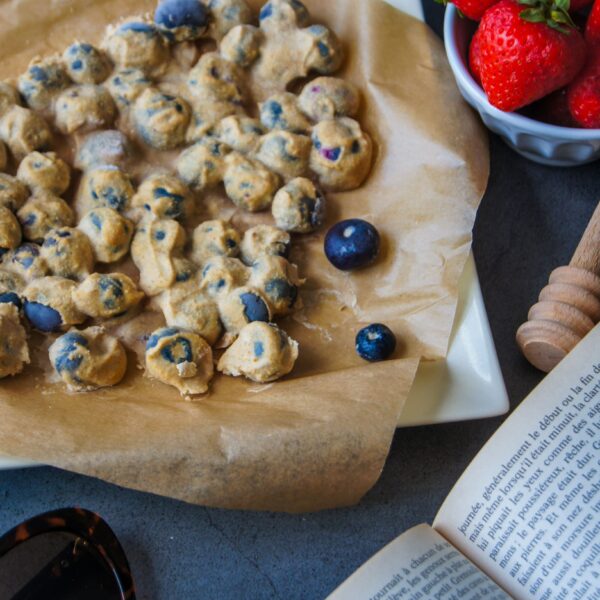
<point>10,298</point>
<point>351,244</point>
<point>254,307</point>
<point>375,342</point>
<point>43,317</point>
<point>180,13</point>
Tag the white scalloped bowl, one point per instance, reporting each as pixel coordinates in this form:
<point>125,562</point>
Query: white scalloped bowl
<point>540,142</point>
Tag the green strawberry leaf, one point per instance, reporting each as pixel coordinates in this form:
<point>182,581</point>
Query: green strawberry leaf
<point>554,13</point>
<point>563,5</point>
<point>533,15</point>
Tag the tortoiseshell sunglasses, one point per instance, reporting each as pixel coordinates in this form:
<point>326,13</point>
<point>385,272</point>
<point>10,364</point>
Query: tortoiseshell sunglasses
<point>64,554</point>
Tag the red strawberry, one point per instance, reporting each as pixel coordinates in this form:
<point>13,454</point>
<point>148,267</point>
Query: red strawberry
<point>553,109</point>
<point>576,5</point>
<point>583,94</point>
<point>592,27</point>
<point>473,9</point>
<point>475,58</point>
<point>527,53</point>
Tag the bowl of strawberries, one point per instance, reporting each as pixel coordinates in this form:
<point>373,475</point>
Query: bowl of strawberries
<point>531,68</point>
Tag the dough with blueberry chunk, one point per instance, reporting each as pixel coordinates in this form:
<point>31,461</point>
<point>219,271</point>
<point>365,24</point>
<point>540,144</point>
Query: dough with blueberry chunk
<point>10,231</point>
<point>106,295</point>
<point>89,359</point>
<point>241,45</point>
<point>24,131</point>
<point>9,97</point>
<point>264,240</point>
<point>14,352</point>
<point>283,14</point>
<point>105,186</point>
<point>242,306</point>
<point>299,206</point>
<point>86,64</point>
<point>42,213</point>
<point>221,274</point>
<point>214,238</point>
<point>341,154</point>
<point>227,14</point>
<point>109,147</point>
<point>329,97</point>
<point>44,79</point>
<point>240,133</point>
<point>179,358</point>
<point>281,111</point>
<point>26,261</point>
<point>108,232</point>
<point>45,171</point>
<point>202,165</point>
<point>163,196</point>
<point>249,184</point>
<point>206,115</point>
<point>262,353</point>
<point>181,20</point>
<point>84,108</point>
<point>185,269</point>
<point>11,286</point>
<point>68,253</point>
<point>215,78</point>
<point>326,54</point>
<point>285,153</point>
<point>278,280</point>
<point>127,85</point>
<point>13,192</point>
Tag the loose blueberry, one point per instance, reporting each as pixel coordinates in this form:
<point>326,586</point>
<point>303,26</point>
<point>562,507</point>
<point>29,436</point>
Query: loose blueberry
<point>352,244</point>
<point>375,342</point>
<point>180,13</point>
<point>43,317</point>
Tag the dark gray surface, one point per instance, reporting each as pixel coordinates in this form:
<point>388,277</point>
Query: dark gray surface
<point>529,222</point>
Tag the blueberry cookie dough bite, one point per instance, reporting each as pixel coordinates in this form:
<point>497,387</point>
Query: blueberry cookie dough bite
<point>10,231</point>
<point>84,108</point>
<point>106,295</point>
<point>264,240</point>
<point>108,232</point>
<point>281,111</point>
<point>278,280</point>
<point>26,261</point>
<point>248,183</point>
<point>42,213</point>
<point>240,133</point>
<point>86,64</point>
<point>179,358</point>
<point>49,304</point>
<point>329,97</point>
<point>68,253</point>
<point>202,165</point>
<point>13,192</point>
<point>89,359</point>
<point>14,353</point>
<point>242,306</point>
<point>161,120</point>
<point>214,238</point>
<point>137,45</point>
<point>9,97</point>
<point>105,186</point>
<point>341,154</point>
<point>24,131</point>
<point>45,171</point>
<point>11,287</point>
<point>181,20</point>
<point>227,14</point>
<point>262,353</point>
<point>241,45</point>
<point>325,55</point>
<point>215,78</point>
<point>299,206</point>
<point>104,148</point>
<point>285,153</point>
<point>220,275</point>
<point>44,79</point>
<point>281,14</point>
<point>163,196</point>
<point>126,86</point>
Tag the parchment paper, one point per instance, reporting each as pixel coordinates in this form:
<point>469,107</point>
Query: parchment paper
<point>318,438</point>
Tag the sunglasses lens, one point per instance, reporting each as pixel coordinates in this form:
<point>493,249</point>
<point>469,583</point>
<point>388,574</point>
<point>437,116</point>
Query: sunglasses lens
<point>56,565</point>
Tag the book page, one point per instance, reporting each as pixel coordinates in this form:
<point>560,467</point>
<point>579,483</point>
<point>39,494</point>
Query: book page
<point>527,509</point>
<point>418,565</point>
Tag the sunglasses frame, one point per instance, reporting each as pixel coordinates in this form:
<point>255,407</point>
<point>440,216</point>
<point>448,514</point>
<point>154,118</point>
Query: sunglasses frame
<point>86,525</point>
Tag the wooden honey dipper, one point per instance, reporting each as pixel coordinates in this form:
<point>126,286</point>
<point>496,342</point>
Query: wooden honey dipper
<point>568,307</point>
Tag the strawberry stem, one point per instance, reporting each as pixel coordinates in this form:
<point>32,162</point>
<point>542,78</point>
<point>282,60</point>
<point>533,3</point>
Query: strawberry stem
<point>555,13</point>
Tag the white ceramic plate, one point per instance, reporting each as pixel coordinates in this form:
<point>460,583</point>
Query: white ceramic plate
<point>468,384</point>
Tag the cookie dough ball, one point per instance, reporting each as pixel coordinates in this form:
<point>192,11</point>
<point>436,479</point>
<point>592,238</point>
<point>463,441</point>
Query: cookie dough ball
<point>206,115</point>
<point>181,20</point>
<point>161,120</point>
<point>202,165</point>
<point>89,359</point>
<point>341,154</point>
<point>278,280</point>
<point>42,213</point>
<point>138,45</point>
<point>215,78</point>
<point>10,231</point>
<point>49,305</point>
<point>285,153</point>
<point>106,296</point>
<point>153,249</point>
<point>127,85</point>
<point>45,171</point>
<point>264,240</point>
<point>283,14</point>
<point>262,353</point>
<point>68,253</point>
<point>9,97</point>
<point>248,183</point>
<point>84,108</point>
<point>214,238</point>
<point>227,14</point>
<point>86,64</point>
<point>104,148</point>
<point>241,45</point>
<point>14,353</point>
<point>44,79</point>
<point>106,186</point>
<point>240,133</point>
<point>242,306</point>
<point>13,192</point>
<point>108,232</point>
<point>325,55</point>
<point>329,97</point>
<point>26,261</point>
<point>299,206</point>
<point>188,308</point>
<point>163,196</point>
<point>179,358</point>
<point>281,111</point>
<point>24,131</point>
<point>3,156</point>
<point>220,275</point>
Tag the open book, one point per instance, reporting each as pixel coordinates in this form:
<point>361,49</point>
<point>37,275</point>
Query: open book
<point>523,521</point>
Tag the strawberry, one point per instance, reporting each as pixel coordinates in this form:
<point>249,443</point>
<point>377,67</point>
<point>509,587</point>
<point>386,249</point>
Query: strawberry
<point>592,27</point>
<point>577,5</point>
<point>526,53</point>
<point>553,109</point>
<point>475,58</point>
<point>583,94</point>
<point>473,9</point>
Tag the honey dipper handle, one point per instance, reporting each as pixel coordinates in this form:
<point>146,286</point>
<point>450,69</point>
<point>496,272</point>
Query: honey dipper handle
<point>587,254</point>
